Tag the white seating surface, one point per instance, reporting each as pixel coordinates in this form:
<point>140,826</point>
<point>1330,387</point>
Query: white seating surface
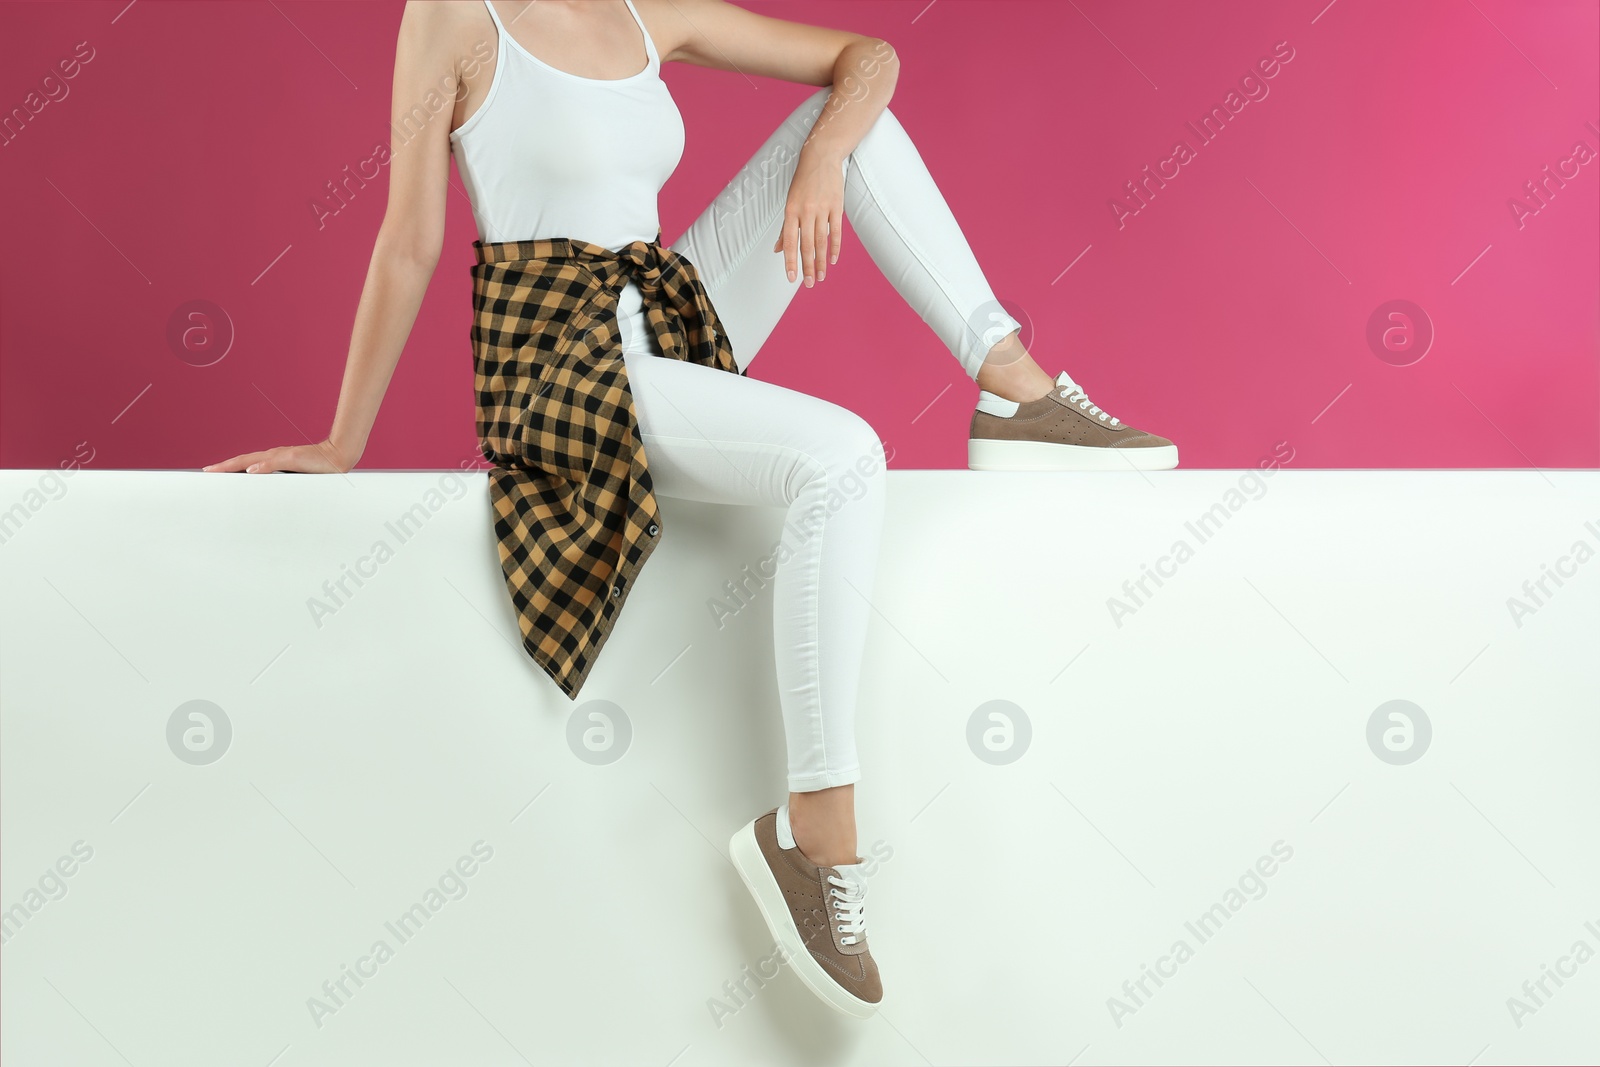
<point>1016,906</point>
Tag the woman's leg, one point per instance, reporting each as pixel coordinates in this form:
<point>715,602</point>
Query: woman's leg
<point>932,266</point>
<point>905,226</point>
<point>713,436</point>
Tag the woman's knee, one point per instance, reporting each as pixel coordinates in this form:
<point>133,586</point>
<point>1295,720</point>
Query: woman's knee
<point>800,121</point>
<point>847,459</point>
<point>797,129</point>
<point>862,445</point>
<point>885,135</point>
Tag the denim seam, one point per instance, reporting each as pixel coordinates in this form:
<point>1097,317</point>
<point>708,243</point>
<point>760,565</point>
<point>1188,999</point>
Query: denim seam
<point>816,623</point>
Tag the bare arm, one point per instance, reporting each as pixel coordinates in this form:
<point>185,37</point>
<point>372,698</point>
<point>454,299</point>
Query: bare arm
<point>407,247</point>
<point>862,71</point>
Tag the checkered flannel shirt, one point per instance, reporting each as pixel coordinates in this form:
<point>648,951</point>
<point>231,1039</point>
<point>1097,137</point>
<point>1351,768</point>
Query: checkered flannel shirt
<point>574,512</point>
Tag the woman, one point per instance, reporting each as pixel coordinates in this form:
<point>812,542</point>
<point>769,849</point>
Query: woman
<point>564,134</point>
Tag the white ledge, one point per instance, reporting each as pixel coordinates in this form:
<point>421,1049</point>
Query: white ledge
<point>1182,734</point>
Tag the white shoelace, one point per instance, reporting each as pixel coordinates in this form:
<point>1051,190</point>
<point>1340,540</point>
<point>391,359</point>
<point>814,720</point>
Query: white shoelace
<point>849,906</point>
<point>1073,393</point>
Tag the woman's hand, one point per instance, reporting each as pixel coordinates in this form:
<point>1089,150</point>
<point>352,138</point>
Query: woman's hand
<point>813,215</point>
<point>321,458</point>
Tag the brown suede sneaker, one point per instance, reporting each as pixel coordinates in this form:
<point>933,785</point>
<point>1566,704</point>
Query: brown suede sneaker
<point>1060,431</point>
<point>816,914</point>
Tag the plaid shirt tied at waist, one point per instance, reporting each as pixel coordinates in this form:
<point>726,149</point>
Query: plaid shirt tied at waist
<point>574,512</point>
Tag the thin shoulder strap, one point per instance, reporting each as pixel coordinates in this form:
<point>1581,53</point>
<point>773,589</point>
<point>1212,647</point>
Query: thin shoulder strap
<point>649,43</point>
<point>496,16</point>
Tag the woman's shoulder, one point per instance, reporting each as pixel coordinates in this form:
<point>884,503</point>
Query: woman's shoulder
<point>459,30</point>
<point>672,23</point>
<point>448,14</point>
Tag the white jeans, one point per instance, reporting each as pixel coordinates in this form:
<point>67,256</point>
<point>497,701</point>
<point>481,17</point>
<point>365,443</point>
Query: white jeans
<point>713,436</point>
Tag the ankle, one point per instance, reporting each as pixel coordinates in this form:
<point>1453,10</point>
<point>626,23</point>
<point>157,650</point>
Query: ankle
<point>827,840</point>
<point>825,850</point>
<point>1010,372</point>
<point>1016,383</point>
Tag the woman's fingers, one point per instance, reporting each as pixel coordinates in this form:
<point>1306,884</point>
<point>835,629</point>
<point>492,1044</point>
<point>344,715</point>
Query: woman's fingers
<point>787,243</point>
<point>808,248</point>
<point>822,246</point>
<point>237,463</point>
<point>809,242</point>
<point>287,458</point>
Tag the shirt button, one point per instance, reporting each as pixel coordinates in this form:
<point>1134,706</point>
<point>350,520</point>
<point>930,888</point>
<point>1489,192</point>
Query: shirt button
<point>616,590</point>
<point>653,530</point>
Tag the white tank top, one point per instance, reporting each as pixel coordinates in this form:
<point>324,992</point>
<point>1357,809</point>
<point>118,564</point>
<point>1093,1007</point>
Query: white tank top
<point>552,154</point>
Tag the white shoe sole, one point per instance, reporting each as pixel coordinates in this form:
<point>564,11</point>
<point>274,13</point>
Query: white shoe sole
<point>985,454</point>
<point>758,878</point>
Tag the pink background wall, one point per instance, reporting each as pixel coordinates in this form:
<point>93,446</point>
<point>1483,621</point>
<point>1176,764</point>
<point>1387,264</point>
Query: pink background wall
<point>1230,313</point>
